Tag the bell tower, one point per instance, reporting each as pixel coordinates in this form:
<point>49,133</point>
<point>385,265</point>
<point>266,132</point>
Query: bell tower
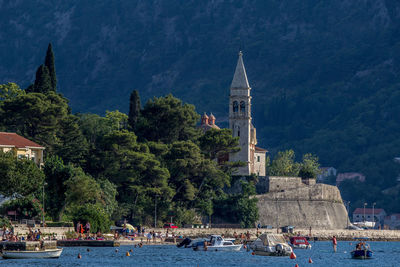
<point>240,118</point>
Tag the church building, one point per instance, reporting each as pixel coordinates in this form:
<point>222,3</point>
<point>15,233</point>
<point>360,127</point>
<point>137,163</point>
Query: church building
<point>240,121</point>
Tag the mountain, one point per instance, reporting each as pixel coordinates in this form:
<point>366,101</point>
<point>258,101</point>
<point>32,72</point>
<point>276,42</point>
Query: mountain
<point>324,74</point>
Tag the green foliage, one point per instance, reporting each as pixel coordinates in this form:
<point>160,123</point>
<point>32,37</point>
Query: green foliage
<point>167,119</point>
<point>81,189</point>
<point>134,109</point>
<point>284,165</point>
<point>49,63</point>
<point>43,80</point>
<point>239,208</point>
<point>4,222</point>
<point>35,116</point>
<point>117,120</point>
<point>26,207</point>
<point>10,91</point>
<point>108,196</point>
<point>72,145</point>
<point>93,213</point>
<point>19,178</point>
<point>309,168</point>
<point>56,175</point>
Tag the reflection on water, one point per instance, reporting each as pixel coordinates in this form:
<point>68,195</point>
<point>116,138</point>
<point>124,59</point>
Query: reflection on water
<point>385,254</point>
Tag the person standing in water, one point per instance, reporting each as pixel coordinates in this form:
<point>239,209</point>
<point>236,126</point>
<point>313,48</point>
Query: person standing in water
<point>334,243</point>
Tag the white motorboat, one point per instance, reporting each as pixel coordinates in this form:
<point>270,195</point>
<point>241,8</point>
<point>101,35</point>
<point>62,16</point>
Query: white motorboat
<point>35,254</point>
<point>271,245</point>
<point>217,243</point>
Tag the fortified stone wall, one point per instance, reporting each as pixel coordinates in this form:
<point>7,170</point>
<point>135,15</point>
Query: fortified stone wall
<point>318,206</point>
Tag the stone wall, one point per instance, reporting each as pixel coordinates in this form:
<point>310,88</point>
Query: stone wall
<point>278,183</point>
<point>319,206</point>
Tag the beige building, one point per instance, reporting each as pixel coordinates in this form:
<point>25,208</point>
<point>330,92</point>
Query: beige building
<point>22,147</point>
<point>240,121</point>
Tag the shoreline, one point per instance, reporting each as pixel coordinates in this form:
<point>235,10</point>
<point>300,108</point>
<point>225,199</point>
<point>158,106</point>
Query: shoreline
<point>316,234</point>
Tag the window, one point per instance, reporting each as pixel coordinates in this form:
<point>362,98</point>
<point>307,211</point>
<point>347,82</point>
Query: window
<point>235,106</point>
<point>242,107</point>
<point>238,131</point>
<point>258,158</point>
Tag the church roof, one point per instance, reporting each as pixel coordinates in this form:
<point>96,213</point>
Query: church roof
<point>240,77</point>
<point>259,149</point>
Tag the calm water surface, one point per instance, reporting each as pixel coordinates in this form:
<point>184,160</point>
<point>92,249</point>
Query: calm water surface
<point>385,254</point>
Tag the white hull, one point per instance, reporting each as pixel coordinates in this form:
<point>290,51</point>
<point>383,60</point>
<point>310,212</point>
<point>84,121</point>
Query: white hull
<point>49,253</point>
<point>301,246</point>
<point>220,248</point>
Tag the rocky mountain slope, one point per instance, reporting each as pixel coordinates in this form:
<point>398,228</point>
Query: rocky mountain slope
<point>325,74</point>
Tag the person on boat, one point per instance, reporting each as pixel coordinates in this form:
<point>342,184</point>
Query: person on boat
<point>358,246</point>
<point>235,235</point>
<point>334,243</point>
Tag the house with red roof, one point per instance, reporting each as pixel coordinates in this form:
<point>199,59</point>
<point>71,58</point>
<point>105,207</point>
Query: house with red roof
<point>371,215</point>
<point>22,147</point>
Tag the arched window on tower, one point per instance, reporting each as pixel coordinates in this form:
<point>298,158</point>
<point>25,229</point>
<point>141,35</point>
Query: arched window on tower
<point>235,106</point>
<point>242,107</point>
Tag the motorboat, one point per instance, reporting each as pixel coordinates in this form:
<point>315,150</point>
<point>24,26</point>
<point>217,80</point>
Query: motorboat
<point>189,243</point>
<point>299,242</point>
<point>217,243</point>
<point>34,254</point>
<point>362,250</point>
<point>269,244</point>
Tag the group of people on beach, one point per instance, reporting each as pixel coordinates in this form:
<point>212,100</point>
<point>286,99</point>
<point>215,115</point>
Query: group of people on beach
<point>8,235</point>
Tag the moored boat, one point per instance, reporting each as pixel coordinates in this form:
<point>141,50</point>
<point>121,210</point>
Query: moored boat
<point>217,243</point>
<point>37,254</point>
<point>271,245</point>
<point>299,242</point>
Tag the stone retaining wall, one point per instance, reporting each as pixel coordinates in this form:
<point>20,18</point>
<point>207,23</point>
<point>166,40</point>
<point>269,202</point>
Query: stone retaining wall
<point>318,206</point>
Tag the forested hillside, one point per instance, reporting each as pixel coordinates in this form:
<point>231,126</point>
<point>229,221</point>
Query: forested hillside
<point>325,74</point>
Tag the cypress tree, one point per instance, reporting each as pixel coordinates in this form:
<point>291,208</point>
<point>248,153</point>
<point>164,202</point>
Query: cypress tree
<point>134,109</point>
<point>42,81</point>
<point>49,63</point>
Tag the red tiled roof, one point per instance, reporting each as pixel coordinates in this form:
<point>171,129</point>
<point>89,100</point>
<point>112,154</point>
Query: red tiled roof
<point>259,149</point>
<point>15,140</point>
<point>367,211</point>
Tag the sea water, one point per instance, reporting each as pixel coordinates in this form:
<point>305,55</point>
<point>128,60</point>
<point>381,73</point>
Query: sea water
<point>385,254</point>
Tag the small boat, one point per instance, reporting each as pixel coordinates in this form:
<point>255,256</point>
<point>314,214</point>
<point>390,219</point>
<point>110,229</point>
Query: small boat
<point>362,250</point>
<point>217,243</point>
<point>299,242</point>
<point>36,254</point>
<point>271,245</point>
<point>189,243</point>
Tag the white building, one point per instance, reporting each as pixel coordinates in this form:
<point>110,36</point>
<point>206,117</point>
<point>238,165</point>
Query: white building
<point>240,121</point>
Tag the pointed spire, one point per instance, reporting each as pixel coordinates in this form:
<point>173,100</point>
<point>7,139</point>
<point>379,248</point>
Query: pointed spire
<point>240,77</point>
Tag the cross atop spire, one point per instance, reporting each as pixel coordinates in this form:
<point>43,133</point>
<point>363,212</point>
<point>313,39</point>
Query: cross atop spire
<point>240,77</point>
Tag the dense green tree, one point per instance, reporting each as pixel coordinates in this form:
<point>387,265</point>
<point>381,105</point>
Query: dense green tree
<point>49,63</point>
<point>217,143</point>
<point>72,145</point>
<point>309,168</point>
<point>19,178</point>
<point>93,213</point>
<point>167,119</point>
<point>117,120</point>
<point>284,164</point>
<point>43,81</point>
<point>81,189</point>
<point>10,91</point>
<point>136,172</point>
<point>35,116</point>
<point>134,109</point>
<point>56,175</point>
